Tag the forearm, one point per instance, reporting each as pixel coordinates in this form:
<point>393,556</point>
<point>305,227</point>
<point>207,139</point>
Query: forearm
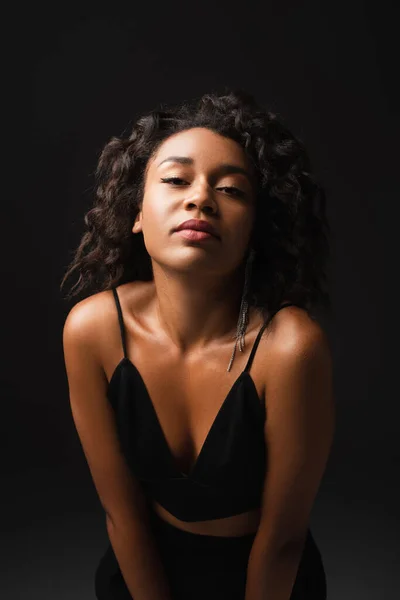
<point>271,572</point>
<point>139,560</point>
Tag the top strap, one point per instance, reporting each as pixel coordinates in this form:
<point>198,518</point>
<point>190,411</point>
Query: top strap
<point>255,345</point>
<point>121,321</point>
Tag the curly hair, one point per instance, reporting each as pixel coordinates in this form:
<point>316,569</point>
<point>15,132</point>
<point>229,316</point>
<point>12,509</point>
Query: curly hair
<point>291,230</point>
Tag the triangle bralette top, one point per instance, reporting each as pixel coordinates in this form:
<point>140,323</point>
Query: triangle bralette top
<point>228,475</point>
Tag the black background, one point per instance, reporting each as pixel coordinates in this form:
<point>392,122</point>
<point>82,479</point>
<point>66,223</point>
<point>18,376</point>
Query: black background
<point>80,75</point>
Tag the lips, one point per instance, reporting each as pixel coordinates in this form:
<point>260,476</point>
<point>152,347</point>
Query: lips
<point>198,225</point>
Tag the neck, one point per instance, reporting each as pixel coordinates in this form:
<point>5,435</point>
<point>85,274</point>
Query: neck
<point>195,311</point>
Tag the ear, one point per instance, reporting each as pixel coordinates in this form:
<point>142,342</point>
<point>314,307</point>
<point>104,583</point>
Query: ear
<point>137,226</point>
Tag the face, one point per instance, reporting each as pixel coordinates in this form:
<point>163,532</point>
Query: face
<point>198,174</point>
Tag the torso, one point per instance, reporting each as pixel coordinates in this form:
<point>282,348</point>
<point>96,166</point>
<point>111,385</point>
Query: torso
<point>186,392</point>
<point>228,527</point>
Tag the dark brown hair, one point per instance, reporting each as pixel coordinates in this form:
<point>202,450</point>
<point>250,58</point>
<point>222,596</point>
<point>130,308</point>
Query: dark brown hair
<point>291,229</point>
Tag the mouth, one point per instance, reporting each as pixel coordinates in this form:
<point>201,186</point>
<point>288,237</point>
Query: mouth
<point>194,235</point>
<point>198,225</point>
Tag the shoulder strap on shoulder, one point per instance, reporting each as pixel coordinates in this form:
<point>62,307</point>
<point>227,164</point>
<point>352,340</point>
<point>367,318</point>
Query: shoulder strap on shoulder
<point>263,327</point>
<point>121,321</point>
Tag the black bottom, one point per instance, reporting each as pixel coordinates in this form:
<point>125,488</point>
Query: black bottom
<point>212,567</point>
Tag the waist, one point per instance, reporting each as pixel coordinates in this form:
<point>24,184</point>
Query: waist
<point>234,526</point>
<point>192,501</point>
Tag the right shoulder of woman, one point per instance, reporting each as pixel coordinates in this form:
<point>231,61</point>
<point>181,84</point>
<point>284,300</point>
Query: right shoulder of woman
<point>118,490</point>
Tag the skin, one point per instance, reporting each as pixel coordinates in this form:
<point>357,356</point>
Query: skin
<point>179,333</point>
<point>193,304</point>
<point>197,285</point>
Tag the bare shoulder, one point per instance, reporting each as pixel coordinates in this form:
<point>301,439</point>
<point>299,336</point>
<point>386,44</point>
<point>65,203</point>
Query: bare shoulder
<point>295,329</point>
<point>85,319</point>
<point>92,324</point>
<point>296,338</point>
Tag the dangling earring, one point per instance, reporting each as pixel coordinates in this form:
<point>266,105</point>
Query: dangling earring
<point>244,309</point>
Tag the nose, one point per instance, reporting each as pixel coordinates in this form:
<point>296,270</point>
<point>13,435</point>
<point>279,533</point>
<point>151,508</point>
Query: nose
<point>202,197</point>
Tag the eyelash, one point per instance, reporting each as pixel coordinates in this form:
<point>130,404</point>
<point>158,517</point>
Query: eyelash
<point>236,193</point>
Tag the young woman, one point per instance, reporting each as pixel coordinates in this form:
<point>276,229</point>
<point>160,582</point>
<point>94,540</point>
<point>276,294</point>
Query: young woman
<point>200,381</point>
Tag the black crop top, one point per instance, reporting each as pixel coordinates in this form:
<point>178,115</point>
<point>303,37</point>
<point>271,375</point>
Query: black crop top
<point>227,477</point>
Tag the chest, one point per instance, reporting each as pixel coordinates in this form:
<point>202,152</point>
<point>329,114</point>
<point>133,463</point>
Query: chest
<point>187,403</point>
<point>188,414</point>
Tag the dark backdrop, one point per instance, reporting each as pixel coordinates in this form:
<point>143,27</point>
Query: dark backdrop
<point>80,75</point>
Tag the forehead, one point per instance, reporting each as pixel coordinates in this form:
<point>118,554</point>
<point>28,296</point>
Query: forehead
<point>203,145</point>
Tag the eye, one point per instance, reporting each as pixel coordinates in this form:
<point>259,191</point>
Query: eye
<point>233,190</point>
<point>171,180</point>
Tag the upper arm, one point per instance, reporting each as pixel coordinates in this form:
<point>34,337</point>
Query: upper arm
<point>299,429</point>
<point>94,419</point>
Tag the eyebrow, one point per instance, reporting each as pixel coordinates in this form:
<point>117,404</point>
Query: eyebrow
<point>224,168</point>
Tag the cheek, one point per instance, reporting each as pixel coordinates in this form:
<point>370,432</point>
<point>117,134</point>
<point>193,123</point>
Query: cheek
<point>242,238</point>
<point>242,226</point>
<point>155,209</point>
<point>157,221</point>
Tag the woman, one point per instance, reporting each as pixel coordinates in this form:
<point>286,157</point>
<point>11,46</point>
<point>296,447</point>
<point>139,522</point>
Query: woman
<point>208,235</point>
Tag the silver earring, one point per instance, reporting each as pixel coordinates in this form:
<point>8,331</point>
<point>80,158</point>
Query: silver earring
<point>244,309</point>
